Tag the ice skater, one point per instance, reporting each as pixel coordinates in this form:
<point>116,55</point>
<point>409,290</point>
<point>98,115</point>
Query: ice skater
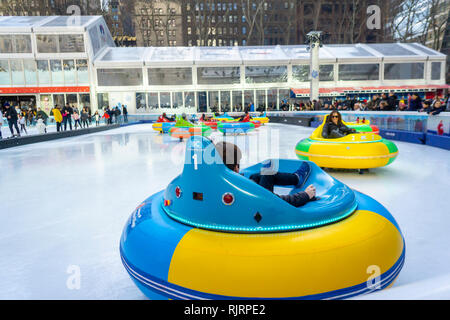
<point>1,123</point>
<point>11,116</point>
<point>76,117</point>
<point>22,122</point>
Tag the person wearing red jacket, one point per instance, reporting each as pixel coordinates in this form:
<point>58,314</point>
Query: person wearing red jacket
<point>163,118</point>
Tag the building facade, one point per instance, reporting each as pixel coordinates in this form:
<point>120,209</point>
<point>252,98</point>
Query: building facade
<point>158,23</point>
<point>46,61</point>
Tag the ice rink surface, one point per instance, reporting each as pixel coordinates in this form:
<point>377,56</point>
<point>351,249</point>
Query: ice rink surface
<point>64,203</point>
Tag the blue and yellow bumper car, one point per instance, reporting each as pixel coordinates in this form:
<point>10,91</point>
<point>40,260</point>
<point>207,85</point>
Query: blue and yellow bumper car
<point>215,234</point>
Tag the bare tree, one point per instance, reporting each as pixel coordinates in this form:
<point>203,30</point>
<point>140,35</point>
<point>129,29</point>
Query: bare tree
<point>252,10</point>
<point>437,22</point>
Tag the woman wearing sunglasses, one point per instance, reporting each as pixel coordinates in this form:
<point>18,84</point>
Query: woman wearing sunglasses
<point>334,128</point>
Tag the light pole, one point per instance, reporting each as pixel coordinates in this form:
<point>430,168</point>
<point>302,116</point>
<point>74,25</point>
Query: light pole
<point>314,44</point>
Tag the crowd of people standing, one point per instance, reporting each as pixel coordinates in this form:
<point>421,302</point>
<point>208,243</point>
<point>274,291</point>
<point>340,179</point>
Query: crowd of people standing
<point>67,117</point>
<point>378,102</point>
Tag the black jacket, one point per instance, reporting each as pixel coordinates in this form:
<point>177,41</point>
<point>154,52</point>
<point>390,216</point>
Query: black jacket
<point>333,131</point>
<point>11,112</point>
<point>296,200</point>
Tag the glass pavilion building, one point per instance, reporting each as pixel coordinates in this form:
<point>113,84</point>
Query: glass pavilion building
<point>68,59</point>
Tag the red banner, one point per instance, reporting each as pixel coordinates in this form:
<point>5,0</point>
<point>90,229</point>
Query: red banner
<point>28,90</point>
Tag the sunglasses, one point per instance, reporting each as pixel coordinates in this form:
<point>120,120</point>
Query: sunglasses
<point>335,117</point>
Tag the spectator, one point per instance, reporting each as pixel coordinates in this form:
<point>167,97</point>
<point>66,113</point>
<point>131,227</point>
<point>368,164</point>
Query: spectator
<point>316,105</point>
<point>1,123</point>
<point>416,103</point>
<point>29,117</point>
<point>448,102</point>
<point>125,114</point>
<point>437,108</point>
<point>392,101</point>
<point>42,115</point>
<point>111,115</point>
<point>97,118</point>
<point>426,107</point>
<point>84,118</point>
<point>40,126</point>
<point>402,106</point>
<point>348,104</point>
<point>22,123</point>
<point>67,116</point>
<point>117,113</point>
<point>11,116</point>
<point>76,118</point>
<point>374,103</point>
<point>58,118</point>
<point>384,106</point>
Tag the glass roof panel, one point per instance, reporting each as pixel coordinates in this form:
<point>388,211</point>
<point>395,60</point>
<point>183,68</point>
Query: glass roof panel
<point>217,54</point>
<point>20,21</point>
<point>296,52</point>
<point>391,49</point>
<point>348,51</point>
<point>124,54</point>
<point>172,54</point>
<point>425,50</point>
<point>69,21</point>
<point>262,53</point>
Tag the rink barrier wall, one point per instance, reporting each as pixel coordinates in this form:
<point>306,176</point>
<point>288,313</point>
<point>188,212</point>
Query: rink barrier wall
<point>411,127</point>
<point>438,141</point>
<point>24,140</point>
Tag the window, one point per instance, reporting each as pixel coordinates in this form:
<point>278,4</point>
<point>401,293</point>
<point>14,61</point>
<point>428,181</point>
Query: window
<point>82,72</point>
<point>141,102</point>
<point>165,99</point>
<point>15,43</point>
<point>47,43</point>
<point>272,99</point>
<point>300,73</point>
<point>153,102</point>
<point>189,100</point>
<point>6,45</point>
<point>213,99</point>
<point>237,101</point>
<point>272,74</point>
<point>326,72</point>
<point>225,101</point>
<point>358,72</point>
<point>403,71</point>
<point>22,43</point>
<point>57,72</point>
<point>260,100</point>
<point>169,76</point>
<point>177,99</point>
<point>65,43</point>
<point>102,100</point>
<point>218,75</point>
<point>5,78</point>
<point>436,70</point>
<point>30,69</point>
<point>69,72</point>
<point>120,77</point>
<point>43,72</point>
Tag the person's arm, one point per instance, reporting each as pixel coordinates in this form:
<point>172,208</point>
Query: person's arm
<point>325,131</point>
<point>296,200</point>
<point>343,128</point>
